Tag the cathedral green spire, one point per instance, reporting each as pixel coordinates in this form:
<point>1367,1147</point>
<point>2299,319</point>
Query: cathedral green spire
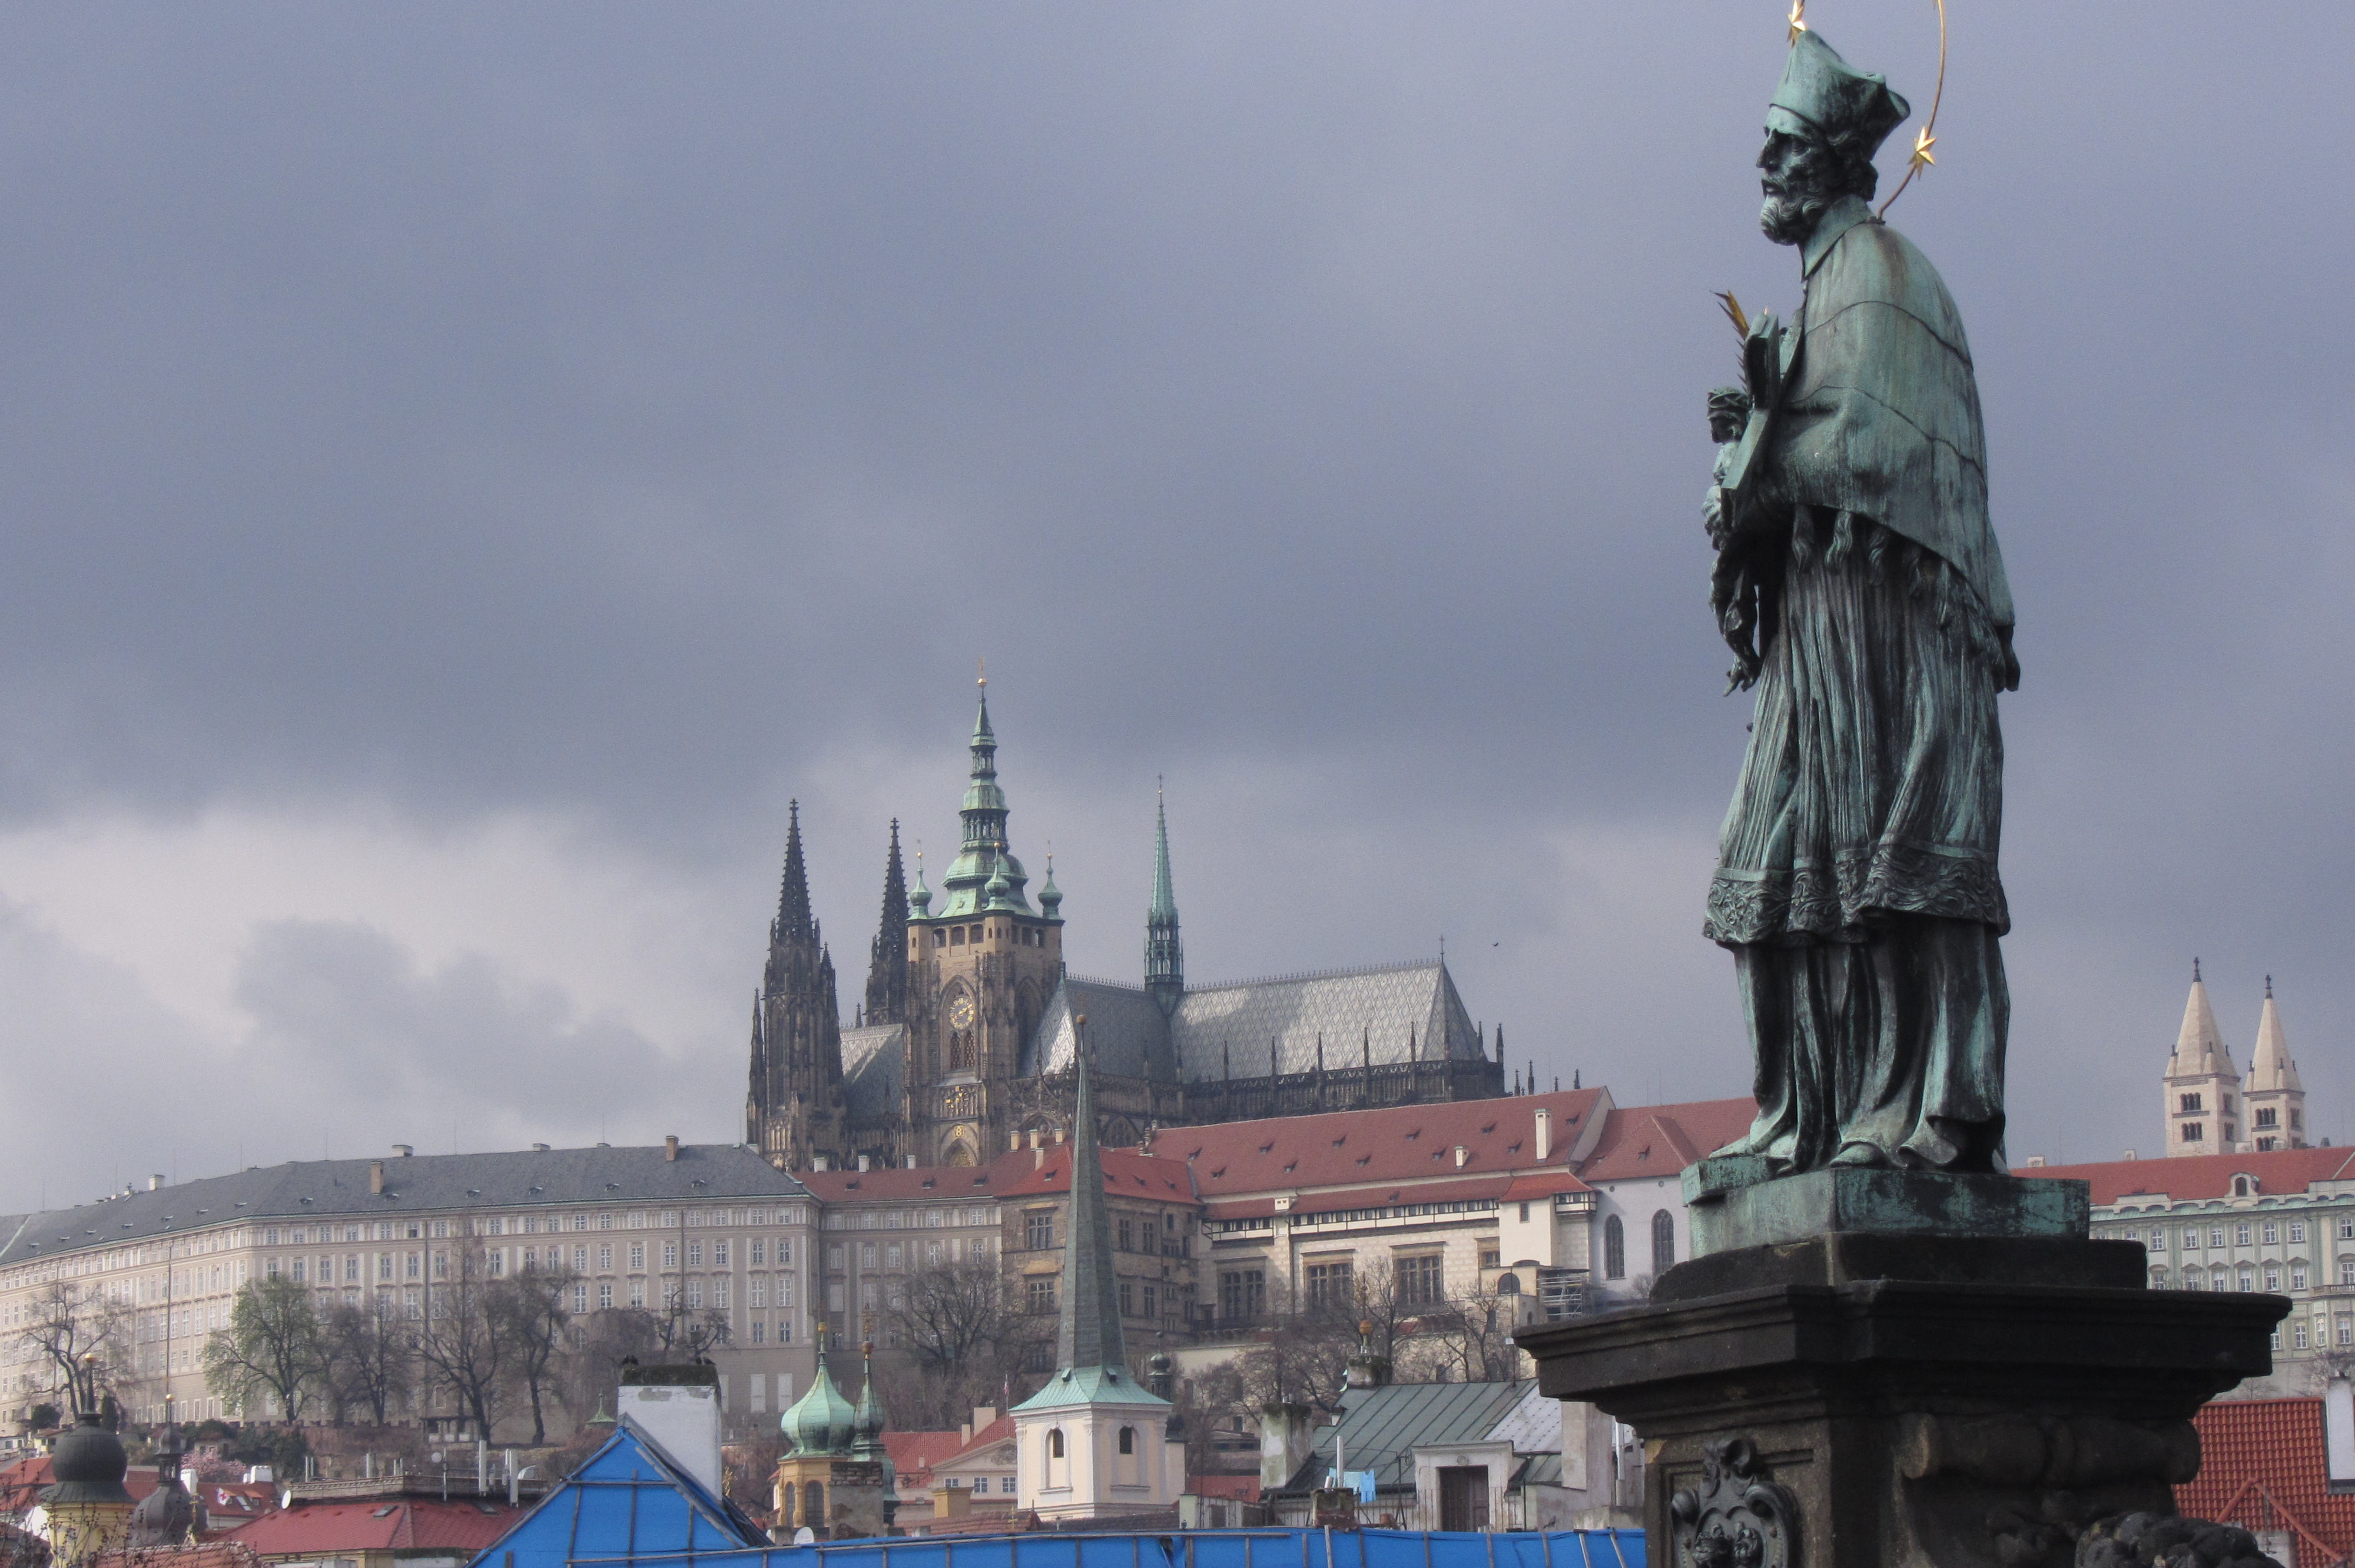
<point>1165,956</point>
<point>984,857</point>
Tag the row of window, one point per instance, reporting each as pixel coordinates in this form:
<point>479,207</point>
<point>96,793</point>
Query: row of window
<point>2244,1234</point>
<point>894,1255</point>
<point>520,1225</point>
<point>2193,1279</point>
<point>906,1219</point>
<point>411,1266</point>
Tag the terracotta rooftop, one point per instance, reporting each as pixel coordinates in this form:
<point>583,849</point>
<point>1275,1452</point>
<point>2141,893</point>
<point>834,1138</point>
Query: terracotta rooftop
<point>396,1524</point>
<point>913,1454</point>
<point>1661,1141</point>
<point>1391,1143</point>
<point>2190,1176</point>
<point>2262,1467</point>
<point>1126,1173</point>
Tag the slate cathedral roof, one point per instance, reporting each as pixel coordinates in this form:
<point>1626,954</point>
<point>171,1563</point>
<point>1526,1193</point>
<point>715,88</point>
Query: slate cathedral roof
<point>1394,1014</point>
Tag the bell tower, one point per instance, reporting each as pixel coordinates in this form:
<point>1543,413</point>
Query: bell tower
<point>981,968</point>
<point>2203,1089</point>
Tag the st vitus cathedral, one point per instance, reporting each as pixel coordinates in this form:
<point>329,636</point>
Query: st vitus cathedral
<point>966,1042</point>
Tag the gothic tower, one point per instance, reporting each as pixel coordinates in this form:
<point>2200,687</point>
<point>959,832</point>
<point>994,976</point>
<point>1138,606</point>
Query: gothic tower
<point>795,1108</point>
<point>2277,1100</point>
<point>1165,957</point>
<point>886,963</point>
<point>981,968</point>
<point>2203,1088</point>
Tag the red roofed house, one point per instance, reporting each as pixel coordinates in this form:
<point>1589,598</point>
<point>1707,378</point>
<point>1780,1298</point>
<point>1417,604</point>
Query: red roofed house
<point>883,1223</point>
<point>2281,1221</point>
<point>2264,1466</point>
<point>951,1482</point>
<point>420,1531</point>
<point>1520,1195</point>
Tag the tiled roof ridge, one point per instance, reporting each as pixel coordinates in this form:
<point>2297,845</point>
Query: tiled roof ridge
<point>1344,971</point>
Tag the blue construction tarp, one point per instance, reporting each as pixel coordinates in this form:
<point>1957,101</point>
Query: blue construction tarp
<point>628,1500</point>
<point>1181,1549</point>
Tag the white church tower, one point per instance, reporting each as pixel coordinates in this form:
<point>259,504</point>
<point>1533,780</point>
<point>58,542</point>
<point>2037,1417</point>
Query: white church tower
<point>2203,1092</point>
<point>2276,1100</point>
<point>1092,1444</point>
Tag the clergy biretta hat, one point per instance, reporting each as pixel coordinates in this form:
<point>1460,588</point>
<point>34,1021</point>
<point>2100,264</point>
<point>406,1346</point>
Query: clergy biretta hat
<point>1823,95</point>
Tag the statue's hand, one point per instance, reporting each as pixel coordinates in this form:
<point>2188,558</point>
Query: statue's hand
<point>1713,518</point>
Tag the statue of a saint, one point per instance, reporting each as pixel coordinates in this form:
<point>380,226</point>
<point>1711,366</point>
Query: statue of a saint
<point>1855,883</point>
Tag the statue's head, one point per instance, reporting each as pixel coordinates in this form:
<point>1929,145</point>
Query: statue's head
<point>1824,123</point>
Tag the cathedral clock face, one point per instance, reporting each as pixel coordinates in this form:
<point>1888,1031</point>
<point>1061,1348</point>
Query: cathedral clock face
<point>961,1013</point>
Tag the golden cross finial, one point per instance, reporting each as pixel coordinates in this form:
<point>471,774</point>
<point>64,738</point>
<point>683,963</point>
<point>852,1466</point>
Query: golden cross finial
<point>1798,19</point>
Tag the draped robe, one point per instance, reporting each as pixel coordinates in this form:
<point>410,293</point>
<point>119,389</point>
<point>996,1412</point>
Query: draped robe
<point>1857,882</point>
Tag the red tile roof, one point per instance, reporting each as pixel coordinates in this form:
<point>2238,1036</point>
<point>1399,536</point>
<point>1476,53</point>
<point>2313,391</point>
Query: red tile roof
<point>913,1454</point>
<point>925,1183</point>
<point>1661,1141</point>
<point>196,1555</point>
<point>998,1431</point>
<point>1127,1174</point>
<point>2263,1467</point>
<point>378,1524</point>
<point>2185,1177</point>
<point>21,1483</point>
<point>1393,1143</point>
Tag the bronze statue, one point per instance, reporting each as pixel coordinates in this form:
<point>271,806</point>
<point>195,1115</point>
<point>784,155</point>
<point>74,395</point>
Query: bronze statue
<point>1859,584</point>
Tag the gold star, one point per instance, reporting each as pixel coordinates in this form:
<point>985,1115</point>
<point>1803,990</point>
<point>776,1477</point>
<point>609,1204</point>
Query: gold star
<point>1798,19</point>
<point>1922,142</point>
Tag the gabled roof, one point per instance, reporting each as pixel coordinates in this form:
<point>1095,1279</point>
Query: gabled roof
<point>1354,1010</point>
<point>913,1455</point>
<point>22,1482</point>
<point>1126,1174</point>
<point>630,1498</point>
<point>2192,1177</point>
<point>378,1524</point>
<point>1661,1141</point>
<point>318,1188</point>
<point>2263,1466</point>
<point>1381,1428</point>
<point>1126,1028</point>
<point>1387,1145</point>
<point>977,1454</point>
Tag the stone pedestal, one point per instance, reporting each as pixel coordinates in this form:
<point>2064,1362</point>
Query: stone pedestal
<point>1869,1399</point>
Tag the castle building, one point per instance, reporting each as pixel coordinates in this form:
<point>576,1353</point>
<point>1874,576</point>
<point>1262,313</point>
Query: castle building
<point>2210,1109</point>
<point>965,1046</point>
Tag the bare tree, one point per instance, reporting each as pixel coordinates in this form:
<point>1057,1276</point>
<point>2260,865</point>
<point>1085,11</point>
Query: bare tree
<point>1477,1336</point>
<point>685,1333</point>
<point>84,1336</point>
<point>271,1344</point>
<point>588,1368</point>
<point>533,1304</point>
<point>953,1338</point>
<point>464,1341</point>
<point>368,1356</point>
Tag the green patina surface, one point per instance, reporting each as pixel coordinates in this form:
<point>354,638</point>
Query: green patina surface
<point>1731,1207</point>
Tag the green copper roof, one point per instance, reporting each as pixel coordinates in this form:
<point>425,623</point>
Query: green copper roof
<point>1092,1385</point>
<point>822,1421</point>
<point>986,875</point>
<point>1088,1335</point>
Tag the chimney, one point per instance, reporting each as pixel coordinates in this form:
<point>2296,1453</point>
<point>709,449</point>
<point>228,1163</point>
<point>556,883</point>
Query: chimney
<point>403,1149</point>
<point>2339,1431</point>
<point>819,1162</point>
<point>670,1146</point>
<point>1462,1154</point>
<point>911,1163</point>
<point>862,1162</point>
<point>540,1149</point>
<point>1545,1132</point>
<point>376,1175</point>
<point>1284,1444</point>
<point>1013,1142</point>
<point>2130,1154</point>
<point>155,1183</point>
<point>678,1406</point>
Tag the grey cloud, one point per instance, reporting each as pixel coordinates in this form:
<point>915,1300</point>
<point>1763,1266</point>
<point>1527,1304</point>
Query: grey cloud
<point>651,414</point>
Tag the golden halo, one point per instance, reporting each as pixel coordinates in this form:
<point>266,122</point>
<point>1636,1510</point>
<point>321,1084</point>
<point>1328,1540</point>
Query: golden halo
<point>1927,137</point>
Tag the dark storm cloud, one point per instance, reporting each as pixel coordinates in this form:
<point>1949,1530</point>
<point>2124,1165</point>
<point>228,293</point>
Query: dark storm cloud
<point>633,412</point>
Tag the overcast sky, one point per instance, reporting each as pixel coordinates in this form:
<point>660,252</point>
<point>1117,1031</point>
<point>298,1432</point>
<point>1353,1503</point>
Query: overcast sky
<point>466,468</point>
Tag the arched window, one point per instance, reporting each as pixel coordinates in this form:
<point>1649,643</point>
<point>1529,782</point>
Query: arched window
<point>1614,1249</point>
<point>1055,1442</point>
<point>1508,1285</point>
<point>1663,1241</point>
<point>1128,1439</point>
<point>814,1504</point>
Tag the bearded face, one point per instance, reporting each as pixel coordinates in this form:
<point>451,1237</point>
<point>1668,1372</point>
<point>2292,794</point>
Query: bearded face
<point>1801,177</point>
